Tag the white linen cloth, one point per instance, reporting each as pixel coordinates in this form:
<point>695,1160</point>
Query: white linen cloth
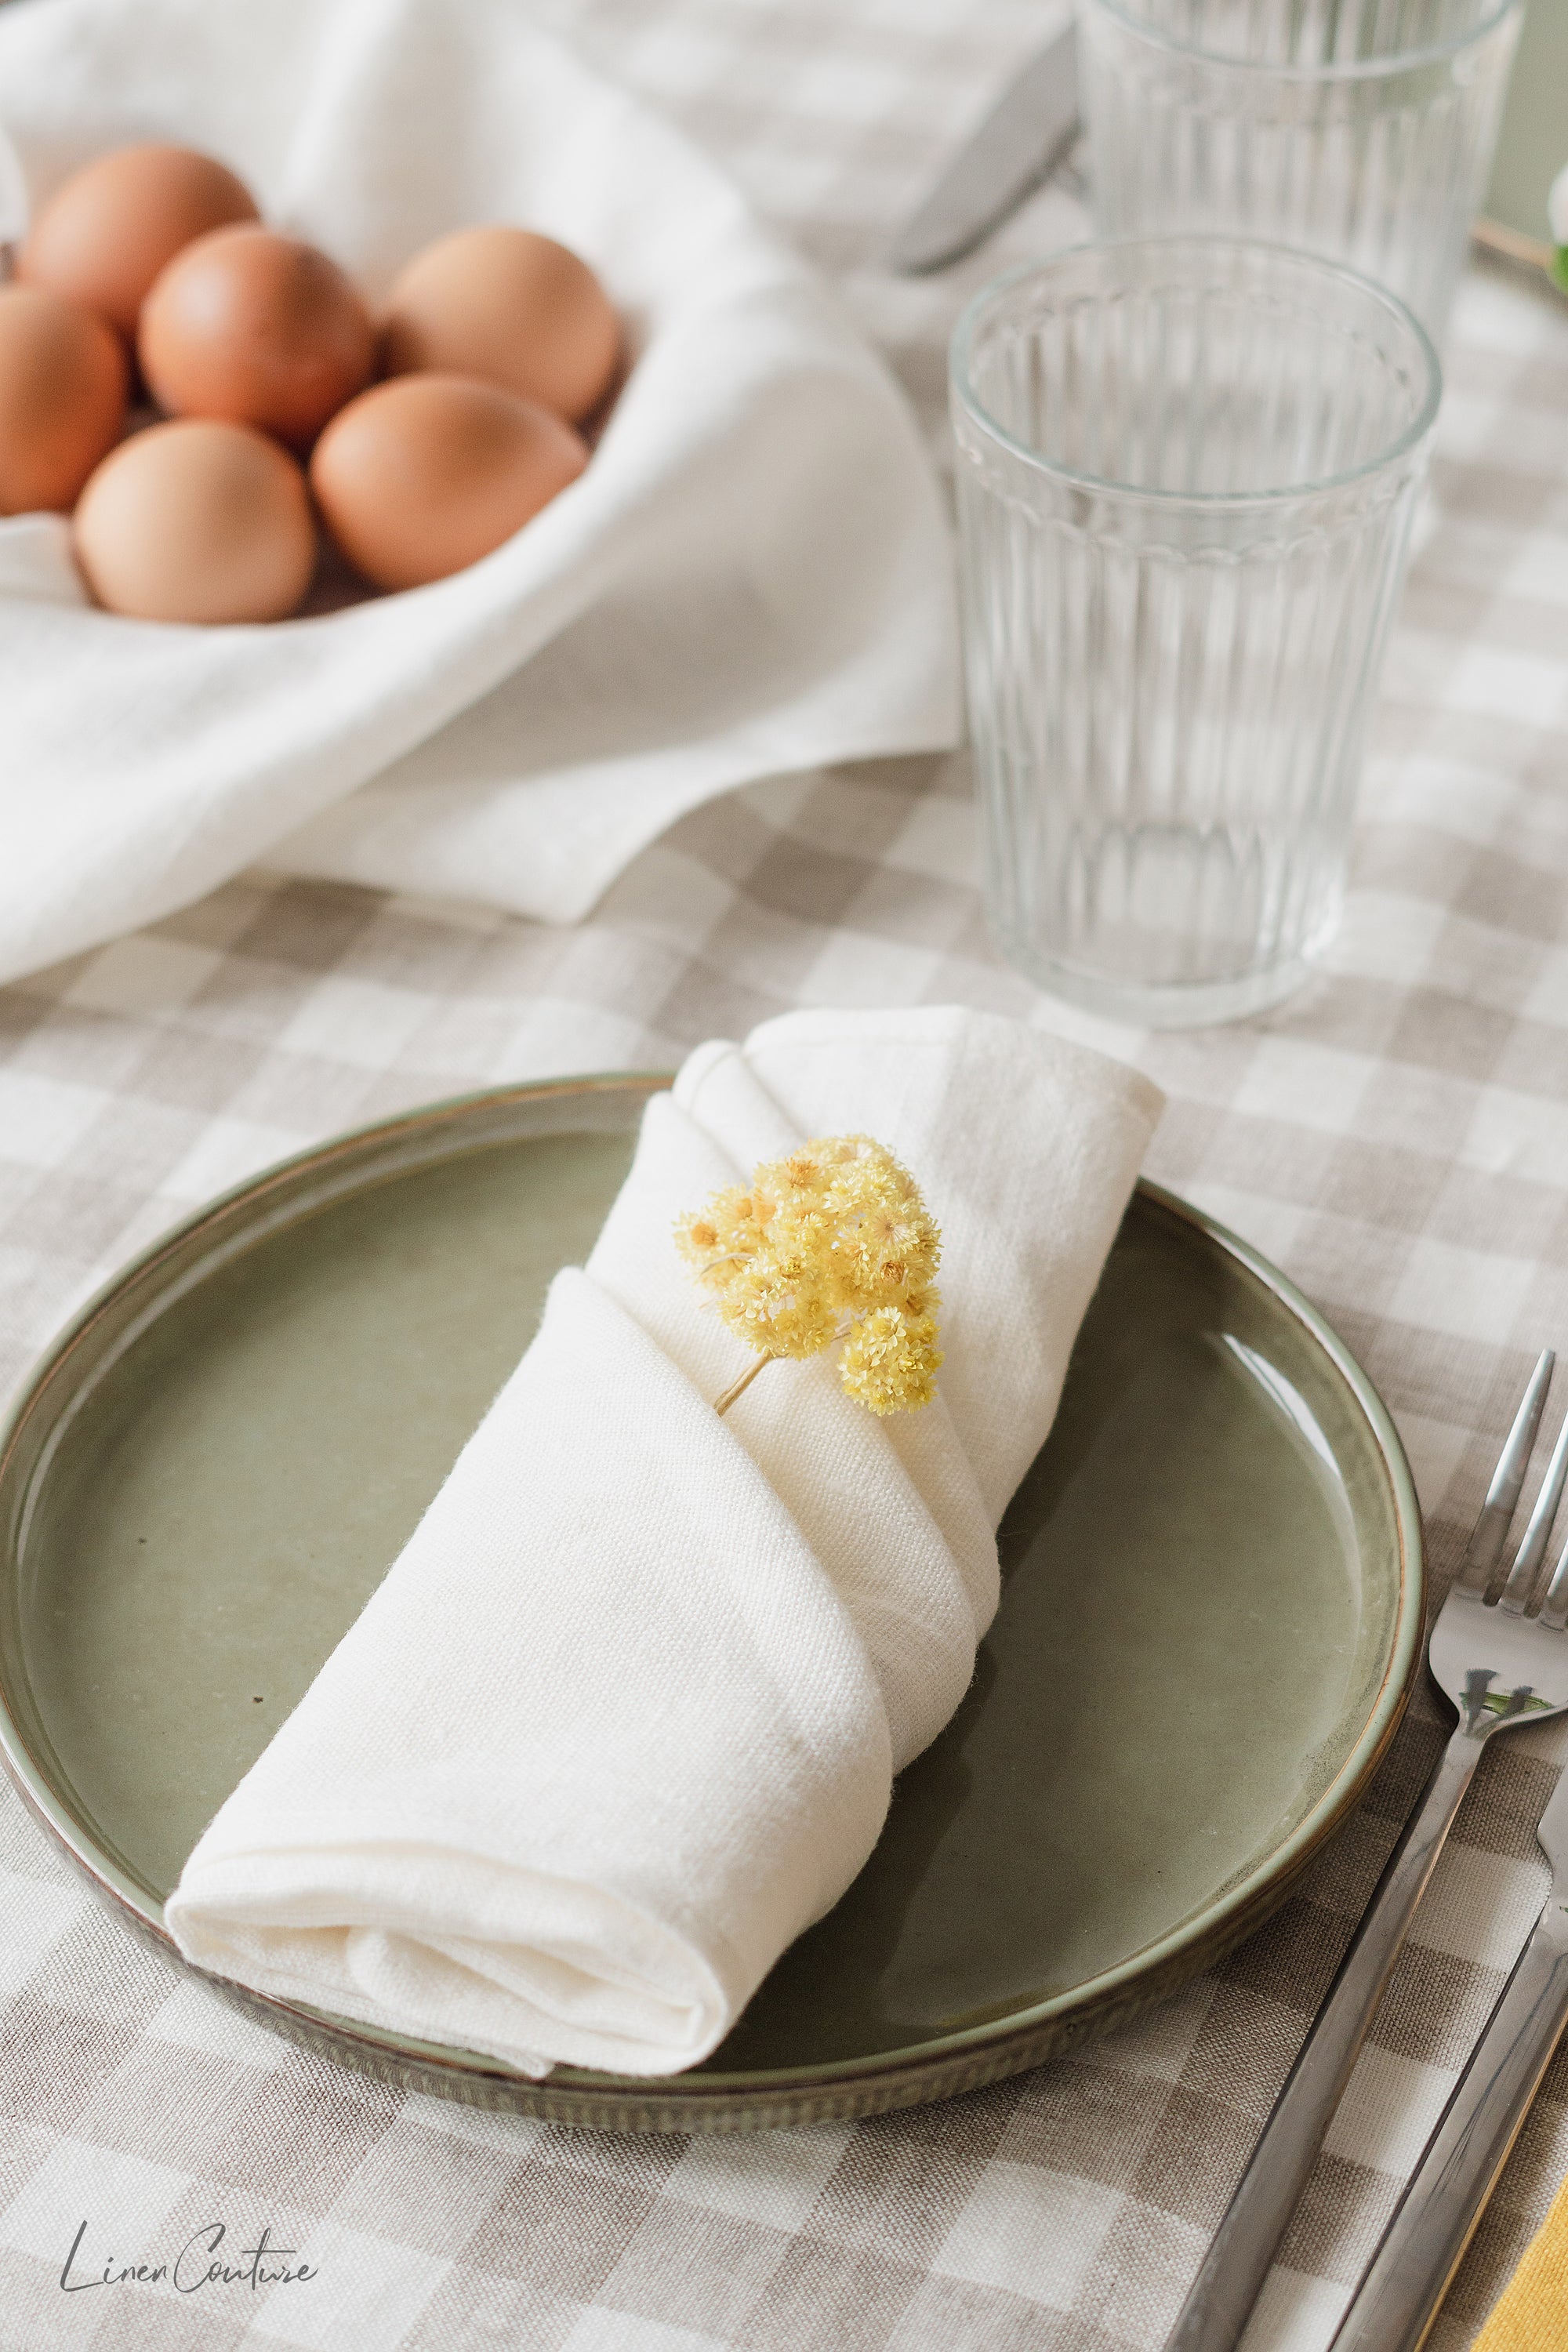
<point>622,1717</point>
<point>752,576</point>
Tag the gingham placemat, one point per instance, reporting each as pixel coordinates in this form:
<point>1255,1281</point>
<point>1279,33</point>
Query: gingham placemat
<point>1396,1138</point>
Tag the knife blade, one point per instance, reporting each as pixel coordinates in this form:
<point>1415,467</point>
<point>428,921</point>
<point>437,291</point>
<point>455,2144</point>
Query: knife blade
<point>1016,147</point>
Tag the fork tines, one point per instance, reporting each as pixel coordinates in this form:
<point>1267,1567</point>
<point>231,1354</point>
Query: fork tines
<point>1484,1574</point>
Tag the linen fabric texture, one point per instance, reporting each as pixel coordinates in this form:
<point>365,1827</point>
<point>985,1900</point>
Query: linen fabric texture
<point>623,1717</point>
<point>751,577</point>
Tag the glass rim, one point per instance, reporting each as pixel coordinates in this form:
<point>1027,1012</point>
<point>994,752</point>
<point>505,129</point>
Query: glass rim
<point>1352,70</point>
<point>961,381</point>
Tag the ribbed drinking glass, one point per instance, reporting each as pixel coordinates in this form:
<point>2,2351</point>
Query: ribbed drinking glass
<point>1362,129</point>
<point>1186,469</point>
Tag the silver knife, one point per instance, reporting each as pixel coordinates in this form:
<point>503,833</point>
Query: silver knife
<point>1016,147</point>
<point>1410,2272</point>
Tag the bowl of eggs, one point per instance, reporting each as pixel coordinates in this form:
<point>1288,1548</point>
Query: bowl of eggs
<point>420,468</point>
<point>211,400</point>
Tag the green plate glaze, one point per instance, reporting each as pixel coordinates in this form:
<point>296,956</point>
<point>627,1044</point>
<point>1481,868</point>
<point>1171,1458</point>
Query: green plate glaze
<point>1211,1615</point>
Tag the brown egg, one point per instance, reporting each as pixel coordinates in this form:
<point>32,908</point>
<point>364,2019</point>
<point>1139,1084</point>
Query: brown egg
<point>507,307</point>
<point>420,476</point>
<point>255,328</point>
<point>63,386</point>
<point>197,520</point>
<point>102,238</point>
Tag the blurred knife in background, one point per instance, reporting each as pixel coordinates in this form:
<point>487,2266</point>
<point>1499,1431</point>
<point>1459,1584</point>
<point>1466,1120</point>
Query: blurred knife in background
<point>1018,145</point>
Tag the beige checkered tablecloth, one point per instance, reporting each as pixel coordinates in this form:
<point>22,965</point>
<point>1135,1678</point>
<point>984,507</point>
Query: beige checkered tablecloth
<point>1397,1137</point>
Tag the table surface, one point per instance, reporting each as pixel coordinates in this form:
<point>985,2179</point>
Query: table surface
<point>1397,1137</point>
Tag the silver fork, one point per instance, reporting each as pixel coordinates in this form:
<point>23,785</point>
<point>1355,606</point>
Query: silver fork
<point>1447,2195</point>
<point>1496,1652</point>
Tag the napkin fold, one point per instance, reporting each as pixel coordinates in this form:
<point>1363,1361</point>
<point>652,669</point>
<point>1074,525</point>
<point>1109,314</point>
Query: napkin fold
<point>753,576</point>
<point>622,1717</point>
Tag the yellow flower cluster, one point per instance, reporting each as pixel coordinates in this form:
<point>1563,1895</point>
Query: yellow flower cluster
<point>832,1243</point>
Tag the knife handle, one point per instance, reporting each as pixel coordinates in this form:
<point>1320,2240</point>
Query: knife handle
<point>1220,2301</point>
<point>1397,2300</point>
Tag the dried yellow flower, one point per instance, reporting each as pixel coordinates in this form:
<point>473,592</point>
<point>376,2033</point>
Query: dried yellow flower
<point>890,1361</point>
<point>832,1243</point>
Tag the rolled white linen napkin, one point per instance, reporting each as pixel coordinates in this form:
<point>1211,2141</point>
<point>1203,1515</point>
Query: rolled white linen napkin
<point>753,576</point>
<point>622,1717</point>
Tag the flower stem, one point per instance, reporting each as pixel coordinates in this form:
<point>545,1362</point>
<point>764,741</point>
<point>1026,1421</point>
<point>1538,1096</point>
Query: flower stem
<point>739,1388</point>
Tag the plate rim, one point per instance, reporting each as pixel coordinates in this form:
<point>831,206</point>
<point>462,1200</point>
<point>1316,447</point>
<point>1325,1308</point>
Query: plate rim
<point>756,2097</point>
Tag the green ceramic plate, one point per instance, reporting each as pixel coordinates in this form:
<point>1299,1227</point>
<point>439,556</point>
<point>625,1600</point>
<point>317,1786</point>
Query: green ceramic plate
<point>1212,1609</point>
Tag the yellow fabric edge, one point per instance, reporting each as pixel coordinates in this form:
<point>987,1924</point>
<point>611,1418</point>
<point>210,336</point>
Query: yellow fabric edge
<point>1531,2312</point>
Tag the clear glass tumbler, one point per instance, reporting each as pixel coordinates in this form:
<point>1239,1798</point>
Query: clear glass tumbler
<point>1186,469</point>
<point>1359,129</point>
